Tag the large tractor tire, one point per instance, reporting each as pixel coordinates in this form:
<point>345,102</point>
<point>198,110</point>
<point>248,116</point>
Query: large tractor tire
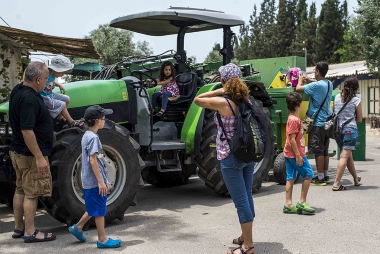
<point>209,166</point>
<point>123,166</point>
<point>150,175</point>
<point>279,169</point>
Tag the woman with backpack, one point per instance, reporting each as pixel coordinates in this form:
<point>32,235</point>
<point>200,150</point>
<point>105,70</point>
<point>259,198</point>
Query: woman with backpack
<point>347,119</point>
<point>237,174</point>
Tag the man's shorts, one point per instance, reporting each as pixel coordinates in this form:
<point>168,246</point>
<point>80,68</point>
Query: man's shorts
<point>292,168</point>
<point>348,139</point>
<point>318,143</point>
<point>29,181</point>
<point>95,203</point>
<point>56,103</point>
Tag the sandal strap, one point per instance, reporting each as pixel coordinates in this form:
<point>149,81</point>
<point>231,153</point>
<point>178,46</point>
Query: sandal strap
<point>243,251</point>
<point>18,231</point>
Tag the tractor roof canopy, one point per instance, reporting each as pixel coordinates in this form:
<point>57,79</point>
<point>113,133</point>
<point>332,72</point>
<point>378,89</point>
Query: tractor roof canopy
<point>167,22</point>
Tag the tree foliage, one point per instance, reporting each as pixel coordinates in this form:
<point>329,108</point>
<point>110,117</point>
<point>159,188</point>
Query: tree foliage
<point>330,31</point>
<point>368,33</point>
<point>113,44</point>
<point>293,25</point>
<point>214,55</point>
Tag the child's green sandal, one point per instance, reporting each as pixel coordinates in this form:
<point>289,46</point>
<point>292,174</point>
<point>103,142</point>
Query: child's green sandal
<point>292,209</point>
<point>305,207</point>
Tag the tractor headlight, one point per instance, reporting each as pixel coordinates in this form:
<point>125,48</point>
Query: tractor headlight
<point>2,130</point>
<point>9,130</point>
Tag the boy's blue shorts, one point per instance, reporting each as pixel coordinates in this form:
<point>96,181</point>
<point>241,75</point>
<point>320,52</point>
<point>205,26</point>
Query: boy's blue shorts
<point>291,169</point>
<point>95,203</point>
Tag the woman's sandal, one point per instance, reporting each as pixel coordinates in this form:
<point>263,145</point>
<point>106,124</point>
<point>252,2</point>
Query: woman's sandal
<point>161,113</point>
<point>359,179</point>
<point>340,188</point>
<point>238,241</point>
<point>242,251</point>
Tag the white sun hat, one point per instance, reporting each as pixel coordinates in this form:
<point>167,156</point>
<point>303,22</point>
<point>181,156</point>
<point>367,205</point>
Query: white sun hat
<point>60,63</point>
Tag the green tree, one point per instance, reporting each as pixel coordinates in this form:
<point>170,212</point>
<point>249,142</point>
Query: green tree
<point>113,44</point>
<point>285,27</point>
<point>352,47</point>
<point>242,45</point>
<point>263,31</point>
<point>330,31</point>
<point>301,12</point>
<point>214,55</point>
<point>368,20</point>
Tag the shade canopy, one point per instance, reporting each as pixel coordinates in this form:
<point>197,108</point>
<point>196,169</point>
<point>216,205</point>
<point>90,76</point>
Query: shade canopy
<point>27,40</point>
<point>168,22</point>
<point>86,69</point>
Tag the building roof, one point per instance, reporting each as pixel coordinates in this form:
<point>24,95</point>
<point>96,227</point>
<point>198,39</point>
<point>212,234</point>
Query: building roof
<point>32,41</point>
<point>343,70</point>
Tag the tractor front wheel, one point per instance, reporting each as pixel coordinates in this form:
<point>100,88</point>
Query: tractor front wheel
<point>123,167</point>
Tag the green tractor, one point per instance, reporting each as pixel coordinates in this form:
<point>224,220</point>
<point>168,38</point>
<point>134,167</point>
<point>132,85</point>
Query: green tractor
<point>140,147</point>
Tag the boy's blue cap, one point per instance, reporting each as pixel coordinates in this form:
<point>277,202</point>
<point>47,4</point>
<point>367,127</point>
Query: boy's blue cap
<point>96,112</point>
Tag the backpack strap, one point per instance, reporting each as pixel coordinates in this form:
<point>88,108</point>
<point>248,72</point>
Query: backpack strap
<point>229,105</point>
<point>221,125</point>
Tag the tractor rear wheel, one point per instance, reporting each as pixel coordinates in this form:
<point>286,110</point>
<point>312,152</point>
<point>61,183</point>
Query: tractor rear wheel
<point>123,166</point>
<point>279,169</point>
<point>209,166</point>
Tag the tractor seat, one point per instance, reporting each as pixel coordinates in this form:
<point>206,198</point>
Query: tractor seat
<point>187,85</point>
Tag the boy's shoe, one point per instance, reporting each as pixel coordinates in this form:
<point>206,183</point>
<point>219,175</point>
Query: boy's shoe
<point>111,243</point>
<point>292,209</point>
<point>327,179</point>
<point>305,207</point>
<point>315,181</point>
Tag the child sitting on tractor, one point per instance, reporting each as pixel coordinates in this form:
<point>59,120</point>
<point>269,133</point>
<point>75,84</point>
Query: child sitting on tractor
<point>57,103</point>
<point>169,87</point>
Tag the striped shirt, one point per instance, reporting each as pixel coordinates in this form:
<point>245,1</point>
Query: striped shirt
<point>229,124</point>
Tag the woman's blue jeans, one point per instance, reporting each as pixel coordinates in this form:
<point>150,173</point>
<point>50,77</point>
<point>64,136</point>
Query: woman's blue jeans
<point>165,99</point>
<point>238,177</point>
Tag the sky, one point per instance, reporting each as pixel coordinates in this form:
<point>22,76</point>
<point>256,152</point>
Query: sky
<point>76,18</point>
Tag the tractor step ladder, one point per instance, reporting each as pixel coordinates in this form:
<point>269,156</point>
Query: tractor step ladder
<point>172,165</point>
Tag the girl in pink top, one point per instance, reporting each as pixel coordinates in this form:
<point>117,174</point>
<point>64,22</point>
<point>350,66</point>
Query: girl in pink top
<point>169,87</point>
<point>295,157</point>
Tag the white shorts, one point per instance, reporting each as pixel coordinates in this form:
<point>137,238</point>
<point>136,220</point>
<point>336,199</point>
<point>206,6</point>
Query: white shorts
<point>56,103</point>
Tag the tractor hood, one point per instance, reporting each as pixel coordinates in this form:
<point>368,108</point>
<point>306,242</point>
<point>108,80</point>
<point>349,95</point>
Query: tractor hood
<point>167,22</point>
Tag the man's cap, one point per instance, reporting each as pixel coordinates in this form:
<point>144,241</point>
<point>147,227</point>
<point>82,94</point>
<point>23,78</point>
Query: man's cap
<point>60,63</point>
<point>96,112</point>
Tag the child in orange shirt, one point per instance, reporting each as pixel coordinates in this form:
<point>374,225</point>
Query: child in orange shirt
<point>295,157</point>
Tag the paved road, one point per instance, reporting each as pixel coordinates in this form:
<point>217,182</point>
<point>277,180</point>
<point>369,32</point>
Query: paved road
<point>192,219</point>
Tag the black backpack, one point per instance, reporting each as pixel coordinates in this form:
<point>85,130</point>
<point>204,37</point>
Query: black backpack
<point>248,142</point>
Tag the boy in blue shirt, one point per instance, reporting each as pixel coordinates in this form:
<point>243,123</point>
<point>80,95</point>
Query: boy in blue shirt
<point>94,178</point>
<point>320,92</point>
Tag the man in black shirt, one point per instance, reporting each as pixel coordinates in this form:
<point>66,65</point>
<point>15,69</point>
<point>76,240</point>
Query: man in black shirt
<point>32,139</point>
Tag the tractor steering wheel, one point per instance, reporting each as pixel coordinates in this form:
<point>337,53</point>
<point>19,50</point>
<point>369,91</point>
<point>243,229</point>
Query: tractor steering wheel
<point>144,74</point>
<point>141,88</point>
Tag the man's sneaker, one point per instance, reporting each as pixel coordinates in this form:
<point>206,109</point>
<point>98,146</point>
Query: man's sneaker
<point>305,207</point>
<point>292,209</point>
<point>317,182</point>
<point>327,179</point>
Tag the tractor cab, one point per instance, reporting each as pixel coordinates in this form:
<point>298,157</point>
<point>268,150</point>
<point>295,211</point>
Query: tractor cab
<point>179,21</point>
